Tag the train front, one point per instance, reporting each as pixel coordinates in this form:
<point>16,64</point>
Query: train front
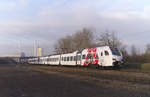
<point>116,57</point>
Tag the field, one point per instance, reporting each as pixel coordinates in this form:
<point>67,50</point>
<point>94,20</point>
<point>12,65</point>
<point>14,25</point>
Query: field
<point>132,79</point>
<point>40,81</point>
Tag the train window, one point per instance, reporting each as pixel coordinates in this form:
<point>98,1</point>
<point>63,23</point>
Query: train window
<point>79,58</point>
<point>67,58</point>
<point>75,58</point>
<point>116,52</point>
<point>83,56</point>
<point>71,58</point>
<point>101,53</point>
<point>62,58</point>
<point>89,56</point>
<point>106,53</point>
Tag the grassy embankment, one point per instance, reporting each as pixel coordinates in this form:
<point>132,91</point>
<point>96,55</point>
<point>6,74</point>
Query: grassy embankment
<point>137,66</point>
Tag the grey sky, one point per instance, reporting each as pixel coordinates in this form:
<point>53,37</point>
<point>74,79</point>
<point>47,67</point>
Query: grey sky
<point>48,20</point>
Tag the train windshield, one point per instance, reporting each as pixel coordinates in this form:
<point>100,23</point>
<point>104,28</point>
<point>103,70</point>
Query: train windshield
<point>115,51</point>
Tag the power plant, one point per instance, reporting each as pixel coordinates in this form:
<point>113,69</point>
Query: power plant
<point>37,50</point>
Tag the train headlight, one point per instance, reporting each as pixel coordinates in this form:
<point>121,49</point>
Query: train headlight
<point>114,60</point>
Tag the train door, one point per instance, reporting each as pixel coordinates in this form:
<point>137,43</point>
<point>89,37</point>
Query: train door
<point>79,59</point>
<point>106,58</point>
<point>101,58</point>
<point>60,58</point>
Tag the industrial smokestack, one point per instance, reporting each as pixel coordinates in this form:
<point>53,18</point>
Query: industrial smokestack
<point>35,48</point>
<point>39,52</point>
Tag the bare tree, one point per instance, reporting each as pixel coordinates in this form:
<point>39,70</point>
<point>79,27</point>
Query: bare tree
<point>64,45</point>
<point>147,52</point>
<point>133,51</point>
<point>135,56</point>
<point>83,39</point>
<point>80,40</point>
<point>109,39</point>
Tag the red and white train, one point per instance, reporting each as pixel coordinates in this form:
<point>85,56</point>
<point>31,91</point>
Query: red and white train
<point>106,56</point>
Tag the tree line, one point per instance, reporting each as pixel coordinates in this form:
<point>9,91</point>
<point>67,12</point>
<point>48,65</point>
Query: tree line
<point>86,38</point>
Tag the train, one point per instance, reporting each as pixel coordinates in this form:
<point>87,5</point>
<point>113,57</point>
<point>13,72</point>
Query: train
<point>104,56</point>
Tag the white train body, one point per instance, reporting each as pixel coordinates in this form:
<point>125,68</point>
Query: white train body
<point>68,59</point>
<point>53,60</point>
<point>105,56</point>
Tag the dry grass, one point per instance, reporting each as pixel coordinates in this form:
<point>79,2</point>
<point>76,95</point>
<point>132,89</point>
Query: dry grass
<point>111,78</point>
<point>145,66</point>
